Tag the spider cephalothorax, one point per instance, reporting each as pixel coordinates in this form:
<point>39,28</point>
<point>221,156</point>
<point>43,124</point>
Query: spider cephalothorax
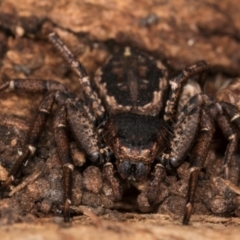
<point>129,124</point>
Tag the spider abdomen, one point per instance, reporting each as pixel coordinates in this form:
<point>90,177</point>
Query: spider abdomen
<point>131,81</point>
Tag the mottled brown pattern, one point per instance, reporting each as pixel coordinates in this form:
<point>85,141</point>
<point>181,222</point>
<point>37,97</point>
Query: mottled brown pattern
<point>132,82</point>
<point>82,129</point>
<point>130,128</point>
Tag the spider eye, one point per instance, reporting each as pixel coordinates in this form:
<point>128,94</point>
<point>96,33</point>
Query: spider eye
<point>124,169</point>
<point>132,171</point>
<point>95,157</point>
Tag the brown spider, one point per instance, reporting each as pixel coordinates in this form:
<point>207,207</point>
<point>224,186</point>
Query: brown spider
<point>129,122</point>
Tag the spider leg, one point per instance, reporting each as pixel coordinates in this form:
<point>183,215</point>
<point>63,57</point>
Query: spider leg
<point>108,172</point>
<point>31,85</point>
<point>76,115</point>
<point>197,122</point>
<point>197,160</point>
<point>153,189</point>
<point>83,128</point>
<point>71,111</point>
<point>32,138</point>
<point>229,117</point>
<point>229,134</point>
<point>63,147</point>
<point>176,87</point>
<point>184,134</point>
<point>44,109</point>
<point>197,118</point>
<point>79,69</point>
<point>201,149</point>
<point>233,112</point>
<point>84,132</point>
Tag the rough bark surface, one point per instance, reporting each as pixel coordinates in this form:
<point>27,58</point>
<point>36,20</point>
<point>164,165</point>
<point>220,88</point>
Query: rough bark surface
<point>181,32</point>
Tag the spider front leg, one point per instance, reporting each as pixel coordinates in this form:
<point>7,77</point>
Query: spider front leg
<point>78,68</point>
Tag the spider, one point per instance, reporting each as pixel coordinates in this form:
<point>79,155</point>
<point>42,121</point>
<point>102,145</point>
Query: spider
<point>128,123</point>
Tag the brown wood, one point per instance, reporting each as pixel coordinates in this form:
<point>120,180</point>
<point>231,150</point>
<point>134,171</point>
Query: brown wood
<point>183,32</point>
